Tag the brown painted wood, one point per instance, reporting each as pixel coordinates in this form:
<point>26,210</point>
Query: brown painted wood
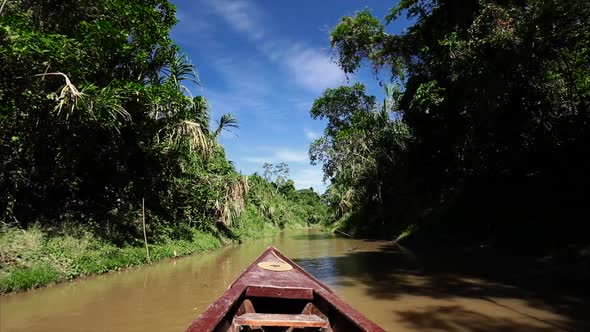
<point>245,307</point>
<point>256,319</point>
<point>255,280</point>
<point>307,310</point>
<point>311,309</point>
<point>280,292</point>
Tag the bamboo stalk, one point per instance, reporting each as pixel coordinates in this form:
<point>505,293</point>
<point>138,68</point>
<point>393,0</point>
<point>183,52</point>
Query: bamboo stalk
<point>2,7</point>
<point>147,249</point>
<point>341,232</point>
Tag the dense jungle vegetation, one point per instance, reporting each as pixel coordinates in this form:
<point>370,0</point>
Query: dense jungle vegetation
<point>98,133</point>
<point>483,137</point>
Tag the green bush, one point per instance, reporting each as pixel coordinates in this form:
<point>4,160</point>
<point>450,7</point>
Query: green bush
<point>28,277</point>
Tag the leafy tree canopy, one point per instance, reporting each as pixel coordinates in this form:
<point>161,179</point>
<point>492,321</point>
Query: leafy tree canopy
<point>95,116</point>
<point>496,96</point>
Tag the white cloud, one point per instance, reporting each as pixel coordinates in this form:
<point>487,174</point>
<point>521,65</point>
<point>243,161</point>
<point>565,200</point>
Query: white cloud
<point>313,69</point>
<point>279,155</point>
<point>256,160</point>
<point>240,15</point>
<point>246,92</point>
<point>309,177</point>
<point>288,155</point>
<point>311,135</point>
<point>309,67</point>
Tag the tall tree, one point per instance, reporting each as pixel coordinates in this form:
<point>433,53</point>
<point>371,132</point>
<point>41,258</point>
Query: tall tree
<point>95,116</point>
<point>277,173</point>
<point>363,152</point>
<point>496,96</point>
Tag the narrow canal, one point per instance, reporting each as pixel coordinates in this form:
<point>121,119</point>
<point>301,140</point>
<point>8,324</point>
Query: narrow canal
<point>392,286</point>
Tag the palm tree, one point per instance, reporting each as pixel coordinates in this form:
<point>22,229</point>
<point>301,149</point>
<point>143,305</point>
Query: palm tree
<point>180,69</point>
<point>201,112</point>
<point>226,121</point>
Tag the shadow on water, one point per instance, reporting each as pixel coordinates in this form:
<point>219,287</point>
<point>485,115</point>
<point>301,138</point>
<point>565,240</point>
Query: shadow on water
<point>315,236</point>
<point>498,282</point>
<point>457,318</point>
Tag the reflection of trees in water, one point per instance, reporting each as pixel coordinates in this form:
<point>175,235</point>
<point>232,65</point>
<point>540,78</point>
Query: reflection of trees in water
<point>391,273</point>
<point>455,318</point>
<point>323,268</point>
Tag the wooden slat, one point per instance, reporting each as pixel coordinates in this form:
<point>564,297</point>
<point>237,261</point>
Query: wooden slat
<point>311,309</point>
<point>246,307</point>
<point>256,319</point>
<point>280,292</point>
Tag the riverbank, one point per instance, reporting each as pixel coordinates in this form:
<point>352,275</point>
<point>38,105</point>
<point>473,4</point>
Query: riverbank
<point>33,258</point>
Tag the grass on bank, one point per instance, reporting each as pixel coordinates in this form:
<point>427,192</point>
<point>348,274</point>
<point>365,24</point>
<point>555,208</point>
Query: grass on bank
<point>30,258</point>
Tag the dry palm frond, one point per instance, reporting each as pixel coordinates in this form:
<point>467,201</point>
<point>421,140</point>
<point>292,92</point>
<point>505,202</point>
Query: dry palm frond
<point>89,98</point>
<point>234,201</point>
<point>268,211</point>
<point>196,136</point>
<point>68,95</point>
<point>2,7</point>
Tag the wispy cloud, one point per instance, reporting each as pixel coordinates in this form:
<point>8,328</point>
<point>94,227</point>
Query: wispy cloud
<point>289,155</point>
<point>280,155</point>
<point>265,76</point>
<point>309,177</point>
<point>311,135</point>
<point>256,160</point>
<point>245,92</point>
<point>313,69</point>
<point>240,15</point>
<point>310,67</point>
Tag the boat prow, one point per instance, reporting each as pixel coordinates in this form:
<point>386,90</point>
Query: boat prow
<point>275,294</point>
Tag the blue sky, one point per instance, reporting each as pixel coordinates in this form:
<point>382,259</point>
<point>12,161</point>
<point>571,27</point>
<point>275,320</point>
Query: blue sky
<point>266,62</point>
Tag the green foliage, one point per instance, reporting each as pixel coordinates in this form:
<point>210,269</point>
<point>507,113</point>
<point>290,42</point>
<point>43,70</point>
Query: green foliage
<point>495,103</point>
<point>354,39</point>
<point>95,119</point>
<point>254,223</point>
<point>363,152</point>
<point>283,206</point>
<point>31,258</point>
<point>278,172</point>
<point>28,277</point>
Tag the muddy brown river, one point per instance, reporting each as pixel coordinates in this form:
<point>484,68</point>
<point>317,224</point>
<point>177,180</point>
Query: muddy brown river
<point>394,287</point>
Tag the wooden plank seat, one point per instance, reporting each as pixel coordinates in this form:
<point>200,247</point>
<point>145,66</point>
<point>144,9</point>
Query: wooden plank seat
<point>287,320</point>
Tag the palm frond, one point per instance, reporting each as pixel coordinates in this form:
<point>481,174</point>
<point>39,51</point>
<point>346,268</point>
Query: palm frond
<point>180,69</point>
<point>234,200</point>
<point>191,133</point>
<point>201,112</point>
<point>68,95</point>
<point>226,121</point>
<point>106,100</point>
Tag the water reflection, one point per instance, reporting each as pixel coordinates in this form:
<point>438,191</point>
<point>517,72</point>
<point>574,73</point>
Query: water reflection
<point>398,290</point>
